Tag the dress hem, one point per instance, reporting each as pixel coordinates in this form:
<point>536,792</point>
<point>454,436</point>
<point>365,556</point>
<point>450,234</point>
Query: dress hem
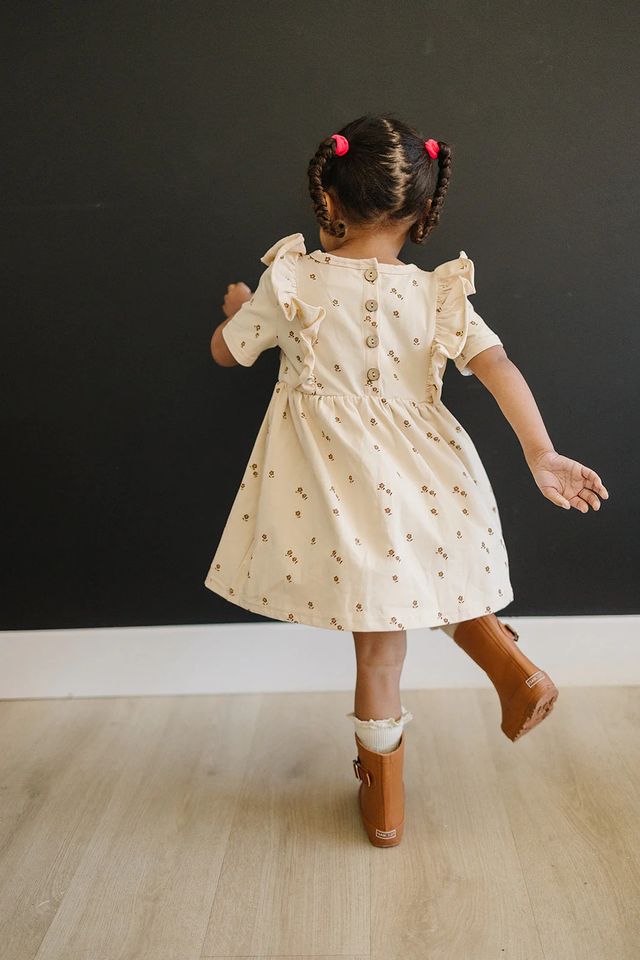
<point>217,586</point>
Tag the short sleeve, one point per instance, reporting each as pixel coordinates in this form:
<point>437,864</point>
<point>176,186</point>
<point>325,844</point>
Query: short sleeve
<point>253,328</point>
<point>460,332</point>
<point>479,337</point>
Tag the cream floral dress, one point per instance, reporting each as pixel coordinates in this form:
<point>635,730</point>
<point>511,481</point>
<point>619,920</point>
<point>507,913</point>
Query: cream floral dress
<point>364,504</point>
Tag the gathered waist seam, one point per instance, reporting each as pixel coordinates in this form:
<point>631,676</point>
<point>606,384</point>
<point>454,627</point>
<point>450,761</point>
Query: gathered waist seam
<point>353,396</point>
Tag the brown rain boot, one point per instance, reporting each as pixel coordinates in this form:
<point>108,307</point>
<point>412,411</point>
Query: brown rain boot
<point>381,793</point>
<point>527,694</point>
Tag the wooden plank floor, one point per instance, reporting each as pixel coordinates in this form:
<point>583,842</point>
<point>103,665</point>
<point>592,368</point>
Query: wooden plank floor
<point>181,828</point>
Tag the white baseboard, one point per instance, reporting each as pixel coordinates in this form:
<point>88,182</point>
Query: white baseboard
<point>275,657</point>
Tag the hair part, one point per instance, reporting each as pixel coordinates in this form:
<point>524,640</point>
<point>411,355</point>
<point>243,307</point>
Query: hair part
<point>385,177</point>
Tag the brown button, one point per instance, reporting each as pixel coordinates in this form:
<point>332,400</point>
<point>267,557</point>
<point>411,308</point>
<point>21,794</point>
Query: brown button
<point>371,274</point>
<point>373,373</point>
<point>372,341</point>
<point>371,304</point>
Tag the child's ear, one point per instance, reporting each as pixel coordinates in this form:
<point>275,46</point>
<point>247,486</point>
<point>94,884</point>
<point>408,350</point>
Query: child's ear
<point>328,199</point>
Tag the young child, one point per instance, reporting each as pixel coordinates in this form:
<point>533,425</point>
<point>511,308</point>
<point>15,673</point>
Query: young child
<point>364,505</point>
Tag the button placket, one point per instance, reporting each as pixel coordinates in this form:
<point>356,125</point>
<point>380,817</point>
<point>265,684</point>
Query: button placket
<point>372,340</point>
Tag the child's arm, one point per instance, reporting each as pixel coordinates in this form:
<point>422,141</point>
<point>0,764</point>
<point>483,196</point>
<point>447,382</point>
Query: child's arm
<point>236,295</point>
<point>565,482</point>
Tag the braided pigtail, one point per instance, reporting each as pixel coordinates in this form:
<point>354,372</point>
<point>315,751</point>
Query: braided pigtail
<point>325,152</point>
<point>425,226</point>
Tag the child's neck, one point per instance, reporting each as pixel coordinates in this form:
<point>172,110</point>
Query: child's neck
<point>363,248</point>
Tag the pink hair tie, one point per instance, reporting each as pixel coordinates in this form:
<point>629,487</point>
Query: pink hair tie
<point>432,147</point>
<point>342,144</point>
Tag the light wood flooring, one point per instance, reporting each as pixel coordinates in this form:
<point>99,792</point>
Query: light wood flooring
<point>181,828</point>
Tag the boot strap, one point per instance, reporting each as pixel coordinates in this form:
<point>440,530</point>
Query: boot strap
<point>360,771</point>
<point>510,628</point>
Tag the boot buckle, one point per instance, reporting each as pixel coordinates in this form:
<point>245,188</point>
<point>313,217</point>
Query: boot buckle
<point>359,770</point>
<point>511,630</point>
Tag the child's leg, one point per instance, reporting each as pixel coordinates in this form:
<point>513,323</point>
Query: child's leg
<point>379,661</point>
<point>378,714</point>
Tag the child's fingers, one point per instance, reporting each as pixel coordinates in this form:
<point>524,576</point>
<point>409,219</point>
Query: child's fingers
<point>579,504</point>
<point>557,498</point>
<point>594,482</point>
<point>590,498</point>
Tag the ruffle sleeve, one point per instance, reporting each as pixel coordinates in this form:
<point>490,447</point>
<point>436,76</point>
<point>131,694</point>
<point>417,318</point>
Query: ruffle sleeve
<point>460,333</point>
<point>282,261</point>
<point>254,327</point>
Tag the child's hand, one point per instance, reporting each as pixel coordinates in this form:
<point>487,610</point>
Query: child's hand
<point>567,483</point>
<point>236,295</point>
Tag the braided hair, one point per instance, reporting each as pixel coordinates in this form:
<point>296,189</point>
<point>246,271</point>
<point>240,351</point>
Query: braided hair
<point>387,176</point>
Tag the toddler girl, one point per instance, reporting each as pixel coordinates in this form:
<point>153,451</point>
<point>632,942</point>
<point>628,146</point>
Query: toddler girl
<point>364,505</point>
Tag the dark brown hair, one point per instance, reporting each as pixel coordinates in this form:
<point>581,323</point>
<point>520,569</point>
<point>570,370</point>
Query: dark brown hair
<point>386,176</point>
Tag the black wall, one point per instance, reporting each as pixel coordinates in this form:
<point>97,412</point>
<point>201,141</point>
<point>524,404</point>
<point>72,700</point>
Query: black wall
<point>152,153</point>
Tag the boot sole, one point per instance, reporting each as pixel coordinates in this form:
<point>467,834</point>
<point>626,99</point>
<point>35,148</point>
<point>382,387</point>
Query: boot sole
<point>528,708</point>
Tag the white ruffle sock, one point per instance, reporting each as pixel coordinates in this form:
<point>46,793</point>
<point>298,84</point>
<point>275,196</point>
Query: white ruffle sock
<point>381,736</point>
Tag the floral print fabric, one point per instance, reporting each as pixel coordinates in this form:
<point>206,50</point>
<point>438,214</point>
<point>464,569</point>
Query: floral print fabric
<point>364,504</point>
